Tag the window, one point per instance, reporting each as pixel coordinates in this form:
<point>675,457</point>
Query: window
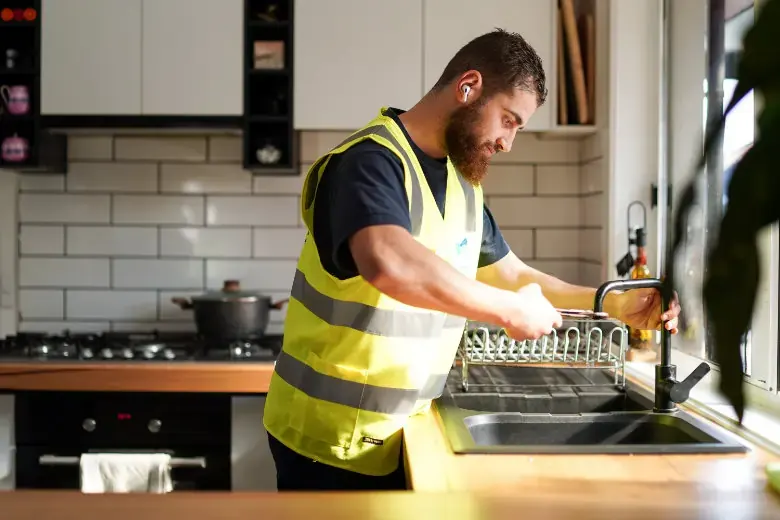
<point>704,39</point>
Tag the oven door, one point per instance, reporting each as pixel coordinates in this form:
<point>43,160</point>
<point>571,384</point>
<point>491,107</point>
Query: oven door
<point>191,469</point>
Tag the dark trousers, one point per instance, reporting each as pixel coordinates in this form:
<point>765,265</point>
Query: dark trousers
<point>295,472</point>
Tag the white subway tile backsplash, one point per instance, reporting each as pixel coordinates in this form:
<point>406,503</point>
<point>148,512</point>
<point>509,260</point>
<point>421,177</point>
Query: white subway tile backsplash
<point>528,148</point>
<point>64,208</point>
<point>275,328</point>
<point>280,185</point>
<point>509,179</point>
<point>163,148</point>
<point>591,274</point>
<point>557,243</point>
<point>157,273</point>
<point>205,178</point>
<point>107,176</point>
<point>277,297</point>
<point>90,147</point>
<point>110,305</point>
<point>225,148</point>
<point>592,177</point>
<point>206,242</point>
<point>520,241</point>
<point>265,275</point>
<point>278,242</point>
<point>536,211</point>
<point>56,327</point>
<point>252,211</point>
<point>42,182</point>
<point>44,303</point>
<point>566,270</point>
<point>558,179</point>
<point>63,272</point>
<point>112,241</point>
<point>170,216</point>
<point>315,144</point>
<point>41,240</point>
<point>158,209</point>
<point>591,148</point>
<point>146,326</point>
<point>591,244</point>
<point>593,210</point>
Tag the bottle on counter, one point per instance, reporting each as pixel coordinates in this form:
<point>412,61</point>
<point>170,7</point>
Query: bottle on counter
<point>640,271</point>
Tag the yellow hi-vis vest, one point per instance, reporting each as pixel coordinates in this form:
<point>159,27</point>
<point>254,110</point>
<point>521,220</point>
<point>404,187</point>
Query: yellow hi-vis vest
<point>356,363</point>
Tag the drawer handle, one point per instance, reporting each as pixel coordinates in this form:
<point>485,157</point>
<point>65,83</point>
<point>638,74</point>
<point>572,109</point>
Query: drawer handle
<point>56,460</point>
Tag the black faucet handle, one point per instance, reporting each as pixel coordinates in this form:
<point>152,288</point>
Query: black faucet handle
<point>681,390</point>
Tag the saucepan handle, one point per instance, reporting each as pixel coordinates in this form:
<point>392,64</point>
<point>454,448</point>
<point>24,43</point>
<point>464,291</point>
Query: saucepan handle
<point>278,305</point>
<point>183,303</point>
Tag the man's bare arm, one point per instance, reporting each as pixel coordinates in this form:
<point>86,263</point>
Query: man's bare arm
<point>511,273</point>
<point>391,260</point>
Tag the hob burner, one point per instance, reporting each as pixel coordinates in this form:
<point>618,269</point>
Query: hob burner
<point>152,346</point>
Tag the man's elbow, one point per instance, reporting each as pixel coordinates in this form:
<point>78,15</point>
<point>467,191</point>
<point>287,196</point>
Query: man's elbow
<point>378,262</point>
<point>383,273</point>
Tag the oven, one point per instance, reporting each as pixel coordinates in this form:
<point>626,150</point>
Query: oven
<point>53,429</point>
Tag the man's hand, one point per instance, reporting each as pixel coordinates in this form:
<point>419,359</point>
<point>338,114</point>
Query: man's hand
<point>641,309</point>
<point>530,315</point>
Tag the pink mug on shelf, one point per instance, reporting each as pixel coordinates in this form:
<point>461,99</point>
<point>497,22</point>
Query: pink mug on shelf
<point>15,149</point>
<point>16,99</point>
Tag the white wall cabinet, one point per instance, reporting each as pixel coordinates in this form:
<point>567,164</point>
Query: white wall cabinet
<point>450,24</point>
<point>142,57</point>
<point>353,57</point>
<point>192,57</point>
<point>91,57</point>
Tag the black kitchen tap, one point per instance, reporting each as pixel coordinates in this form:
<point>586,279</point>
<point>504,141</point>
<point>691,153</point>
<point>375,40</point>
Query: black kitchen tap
<point>668,391</point>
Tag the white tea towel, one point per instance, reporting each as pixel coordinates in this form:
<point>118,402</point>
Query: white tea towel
<point>126,473</point>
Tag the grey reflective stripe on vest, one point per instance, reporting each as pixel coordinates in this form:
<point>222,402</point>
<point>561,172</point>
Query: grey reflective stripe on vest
<point>471,204</point>
<point>368,319</point>
<point>340,391</point>
<point>416,204</point>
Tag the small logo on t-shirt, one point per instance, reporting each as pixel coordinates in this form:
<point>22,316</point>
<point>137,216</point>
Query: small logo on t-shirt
<point>370,440</point>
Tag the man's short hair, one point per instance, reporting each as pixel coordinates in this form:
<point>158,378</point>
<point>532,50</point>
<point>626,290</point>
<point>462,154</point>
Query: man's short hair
<point>505,60</point>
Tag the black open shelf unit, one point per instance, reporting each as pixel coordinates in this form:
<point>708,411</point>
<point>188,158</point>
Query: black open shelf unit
<point>20,66</point>
<point>269,146</point>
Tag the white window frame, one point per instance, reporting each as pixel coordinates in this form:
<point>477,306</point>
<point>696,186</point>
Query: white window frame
<point>682,133</point>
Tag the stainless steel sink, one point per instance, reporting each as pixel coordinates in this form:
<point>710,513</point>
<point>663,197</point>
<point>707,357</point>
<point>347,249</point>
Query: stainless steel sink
<point>632,432</point>
<point>581,420</point>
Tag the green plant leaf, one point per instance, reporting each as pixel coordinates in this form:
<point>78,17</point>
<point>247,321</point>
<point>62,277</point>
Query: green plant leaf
<point>733,266</point>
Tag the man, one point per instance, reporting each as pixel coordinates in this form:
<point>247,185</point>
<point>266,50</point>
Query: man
<point>400,252</point>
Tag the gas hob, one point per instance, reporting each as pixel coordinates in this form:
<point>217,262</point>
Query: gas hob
<point>153,346</point>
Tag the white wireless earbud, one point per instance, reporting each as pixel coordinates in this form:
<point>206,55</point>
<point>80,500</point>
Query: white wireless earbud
<point>466,90</point>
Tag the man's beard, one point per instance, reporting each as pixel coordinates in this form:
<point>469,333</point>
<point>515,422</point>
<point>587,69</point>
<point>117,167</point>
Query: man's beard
<point>466,152</point>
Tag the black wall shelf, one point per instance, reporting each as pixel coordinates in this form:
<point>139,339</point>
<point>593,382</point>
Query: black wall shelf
<point>269,138</point>
<point>20,76</point>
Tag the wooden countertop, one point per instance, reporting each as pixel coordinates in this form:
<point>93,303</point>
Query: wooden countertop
<point>431,466</point>
<point>482,486</point>
<point>185,376</point>
<point>535,500</point>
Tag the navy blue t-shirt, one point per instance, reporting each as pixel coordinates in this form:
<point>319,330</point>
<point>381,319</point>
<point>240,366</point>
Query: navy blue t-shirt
<point>364,186</point>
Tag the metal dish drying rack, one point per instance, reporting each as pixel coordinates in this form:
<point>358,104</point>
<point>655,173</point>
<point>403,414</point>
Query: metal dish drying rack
<point>587,340</point>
